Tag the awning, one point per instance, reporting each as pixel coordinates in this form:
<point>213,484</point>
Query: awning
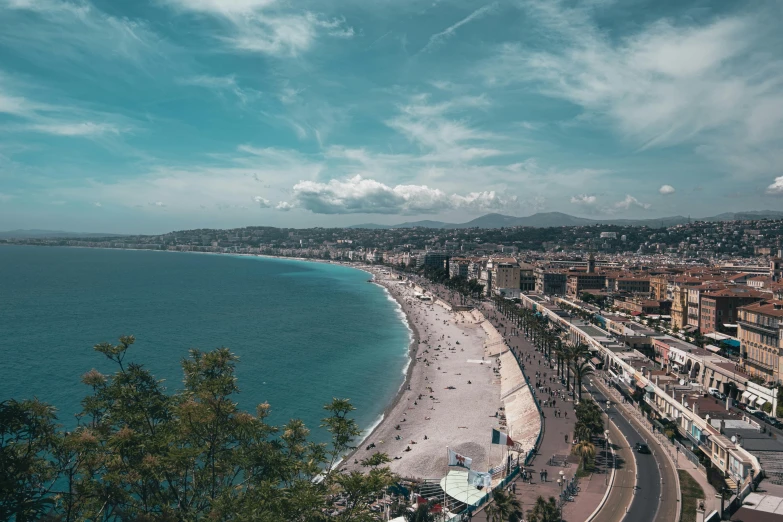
<point>596,361</point>
<point>712,348</point>
<point>760,402</point>
<point>745,395</point>
<point>751,399</point>
<point>649,388</point>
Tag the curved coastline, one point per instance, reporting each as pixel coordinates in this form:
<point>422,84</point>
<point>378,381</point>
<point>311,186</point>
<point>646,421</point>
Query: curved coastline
<point>400,311</point>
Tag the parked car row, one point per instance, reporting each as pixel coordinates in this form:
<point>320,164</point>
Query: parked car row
<point>772,421</point>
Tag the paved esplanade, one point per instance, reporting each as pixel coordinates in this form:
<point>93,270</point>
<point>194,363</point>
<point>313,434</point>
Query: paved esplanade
<point>650,499</point>
<point>554,440</point>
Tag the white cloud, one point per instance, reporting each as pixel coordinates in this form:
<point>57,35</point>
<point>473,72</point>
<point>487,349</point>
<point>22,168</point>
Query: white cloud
<point>48,118</point>
<point>80,129</point>
<point>439,38</point>
<point>717,86</point>
<point>221,84</point>
<point>284,206</point>
<point>631,202</point>
<point>358,195</point>
<point>97,204</point>
<point>666,190</point>
<point>219,181</point>
<point>158,204</point>
<point>776,188</point>
<point>584,199</point>
<point>79,32</point>
<point>430,127</point>
<point>264,26</point>
<point>262,202</point>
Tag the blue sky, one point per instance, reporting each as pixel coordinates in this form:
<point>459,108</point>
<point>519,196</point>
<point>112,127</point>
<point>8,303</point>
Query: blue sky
<point>147,116</point>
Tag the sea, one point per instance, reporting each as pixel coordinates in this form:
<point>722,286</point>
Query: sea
<point>304,332</point>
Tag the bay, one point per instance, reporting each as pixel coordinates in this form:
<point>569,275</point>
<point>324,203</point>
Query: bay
<point>304,332</point>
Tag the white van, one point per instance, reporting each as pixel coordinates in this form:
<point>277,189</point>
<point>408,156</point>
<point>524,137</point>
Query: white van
<point>716,393</point>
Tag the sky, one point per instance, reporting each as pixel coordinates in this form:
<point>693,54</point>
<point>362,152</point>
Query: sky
<point>147,116</point>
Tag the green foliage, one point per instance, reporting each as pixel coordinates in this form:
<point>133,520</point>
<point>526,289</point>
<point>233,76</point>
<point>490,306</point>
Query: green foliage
<point>544,511</point>
<point>586,451</point>
<point>691,492</point>
<point>589,420</point>
<point>504,507</point>
<point>767,407</point>
<point>139,453</point>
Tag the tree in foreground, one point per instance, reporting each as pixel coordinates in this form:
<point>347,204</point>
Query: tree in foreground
<point>544,511</point>
<point>504,507</point>
<point>139,453</point>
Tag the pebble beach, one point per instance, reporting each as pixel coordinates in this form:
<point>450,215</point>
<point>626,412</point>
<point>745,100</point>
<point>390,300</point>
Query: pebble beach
<point>452,394</point>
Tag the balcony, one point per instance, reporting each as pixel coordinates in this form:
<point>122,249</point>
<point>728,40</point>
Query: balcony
<point>760,365</point>
<point>772,330</point>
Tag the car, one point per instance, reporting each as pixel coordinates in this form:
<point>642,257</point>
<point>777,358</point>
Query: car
<point>642,448</point>
<point>716,393</point>
<point>774,422</point>
<point>761,415</point>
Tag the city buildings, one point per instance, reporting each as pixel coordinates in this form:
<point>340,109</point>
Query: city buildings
<point>760,339</point>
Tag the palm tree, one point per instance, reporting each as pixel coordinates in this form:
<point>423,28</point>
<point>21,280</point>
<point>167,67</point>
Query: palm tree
<point>581,370</point>
<point>560,353</point>
<point>586,450</point>
<point>589,419</point>
<point>504,507</point>
<point>575,352</point>
<point>544,511</point>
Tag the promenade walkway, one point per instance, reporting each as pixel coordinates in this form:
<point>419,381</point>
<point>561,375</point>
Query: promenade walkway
<point>554,452</point>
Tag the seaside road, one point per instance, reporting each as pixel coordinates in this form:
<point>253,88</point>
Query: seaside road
<point>622,492</point>
<point>669,494</point>
<point>648,503</point>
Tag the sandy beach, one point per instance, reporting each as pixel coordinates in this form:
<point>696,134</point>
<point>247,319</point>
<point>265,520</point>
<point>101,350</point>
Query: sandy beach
<point>452,395</point>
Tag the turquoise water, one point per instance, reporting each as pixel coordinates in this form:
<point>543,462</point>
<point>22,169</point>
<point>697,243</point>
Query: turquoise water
<point>304,332</point>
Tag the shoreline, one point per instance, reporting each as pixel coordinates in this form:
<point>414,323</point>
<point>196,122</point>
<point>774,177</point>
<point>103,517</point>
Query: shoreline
<point>411,366</point>
<point>479,408</point>
<point>451,396</point>
<point>413,339</point>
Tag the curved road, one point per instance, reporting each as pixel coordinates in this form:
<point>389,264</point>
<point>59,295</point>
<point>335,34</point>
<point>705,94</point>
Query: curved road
<point>646,501</point>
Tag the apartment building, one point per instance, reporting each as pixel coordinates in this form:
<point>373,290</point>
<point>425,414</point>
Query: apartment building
<point>720,307</point>
<point>759,334</point>
<point>505,276</point>
<point>551,282</point>
<point>459,267</point>
<point>660,286</point>
<point>577,282</point>
<point>633,285</point>
<point>527,277</point>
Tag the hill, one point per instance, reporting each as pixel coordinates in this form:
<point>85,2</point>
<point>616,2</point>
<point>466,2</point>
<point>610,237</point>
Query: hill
<point>559,219</point>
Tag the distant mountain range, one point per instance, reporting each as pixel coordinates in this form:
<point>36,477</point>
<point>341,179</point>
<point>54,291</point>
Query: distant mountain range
<point>558,219</point>
<point>34,233</point>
